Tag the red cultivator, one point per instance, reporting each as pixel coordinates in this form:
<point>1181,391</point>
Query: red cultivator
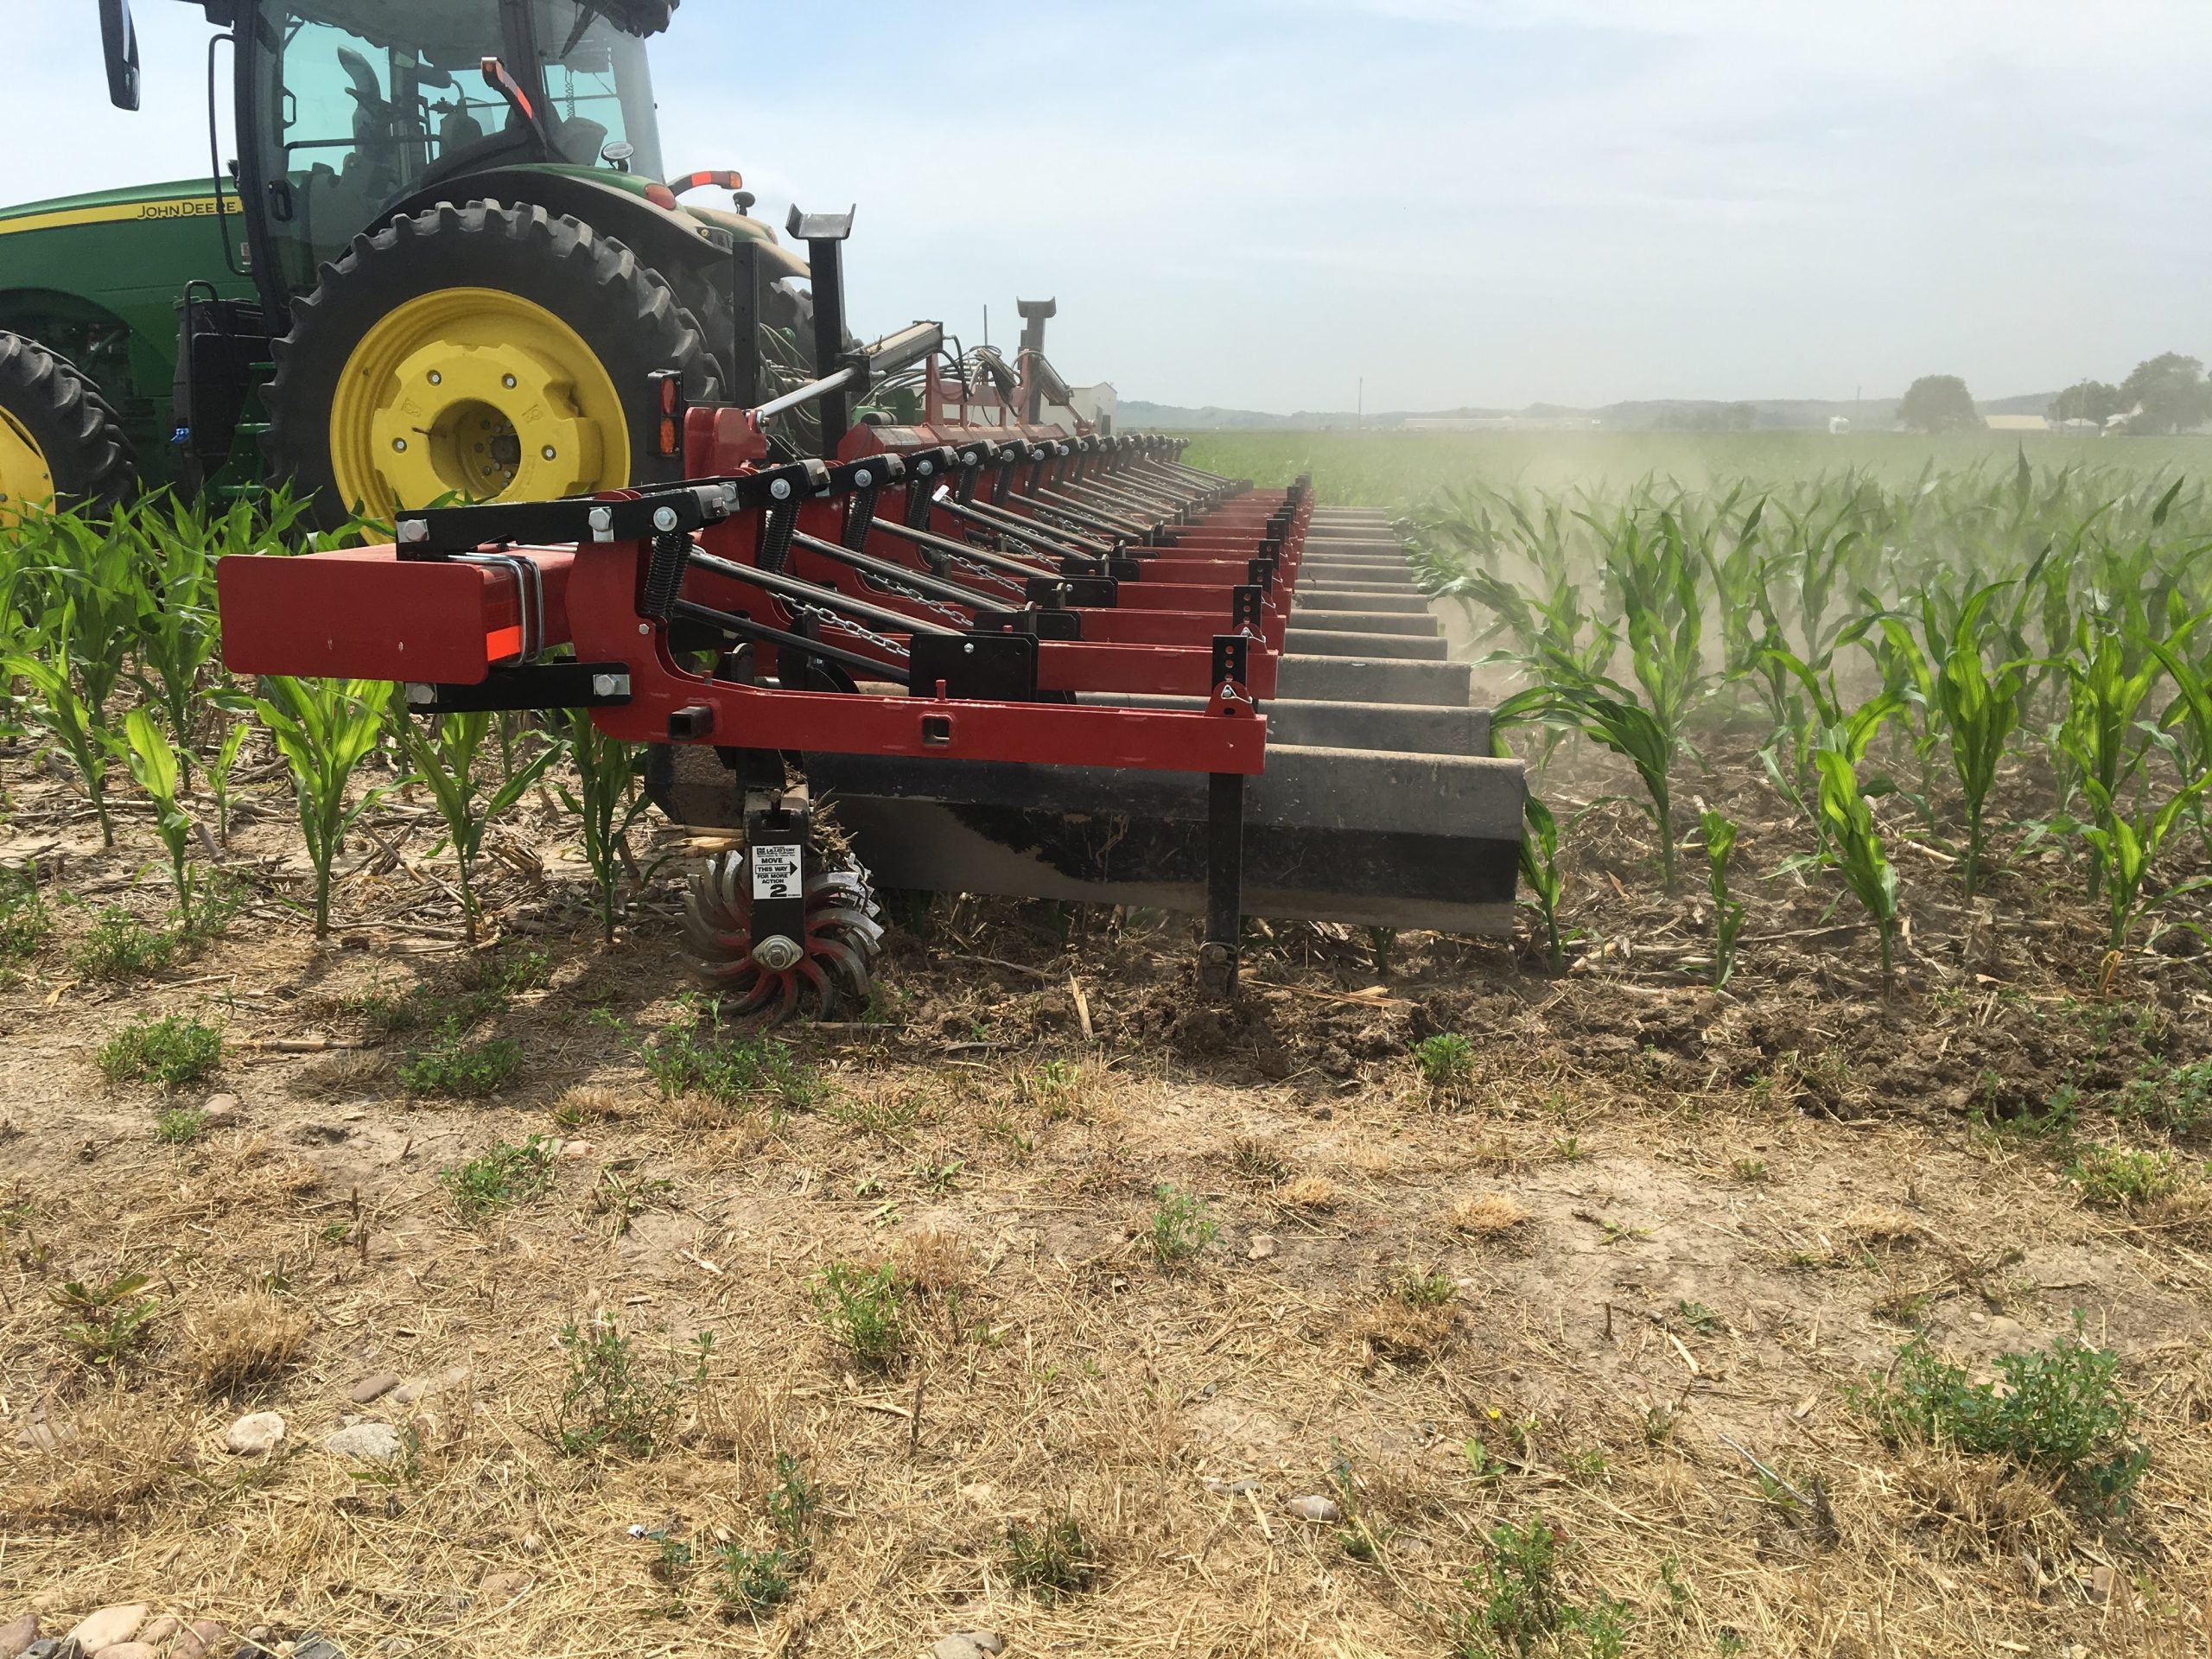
<point>1025,657</point>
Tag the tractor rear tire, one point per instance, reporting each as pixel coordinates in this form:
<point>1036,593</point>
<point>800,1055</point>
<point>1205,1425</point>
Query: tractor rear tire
<point>445,356</point>
<point>59,442</point>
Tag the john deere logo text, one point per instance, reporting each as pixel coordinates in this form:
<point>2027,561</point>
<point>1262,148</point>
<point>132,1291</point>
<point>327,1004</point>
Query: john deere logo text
<point>204,209</point>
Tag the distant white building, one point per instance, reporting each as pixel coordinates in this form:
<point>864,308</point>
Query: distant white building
<point>1096,404</point>
<point>2016,423</point>
<point>1838,425</point>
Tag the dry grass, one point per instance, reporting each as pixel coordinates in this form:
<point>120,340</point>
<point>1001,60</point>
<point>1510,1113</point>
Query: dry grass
<point>241,1341</point>
<point>1316,1194</point>
<point>1487,1216</point>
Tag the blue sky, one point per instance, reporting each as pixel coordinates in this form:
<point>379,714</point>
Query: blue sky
<point>1258,202</point>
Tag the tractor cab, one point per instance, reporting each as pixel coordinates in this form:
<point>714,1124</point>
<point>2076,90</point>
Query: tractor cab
<point>352,107</point>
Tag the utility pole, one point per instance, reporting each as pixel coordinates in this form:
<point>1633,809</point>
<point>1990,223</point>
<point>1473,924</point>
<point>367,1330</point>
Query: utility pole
<point>1359,407</point>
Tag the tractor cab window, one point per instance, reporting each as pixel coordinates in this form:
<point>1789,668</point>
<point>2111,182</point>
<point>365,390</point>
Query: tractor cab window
<point>361,101</point>
<point>598,90</point>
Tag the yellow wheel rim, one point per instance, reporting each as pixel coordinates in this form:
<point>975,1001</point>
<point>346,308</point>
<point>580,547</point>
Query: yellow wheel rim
<point>25,478</point>
<point>473,394</point>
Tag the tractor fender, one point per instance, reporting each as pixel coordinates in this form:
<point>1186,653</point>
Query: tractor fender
<point>666,238</point>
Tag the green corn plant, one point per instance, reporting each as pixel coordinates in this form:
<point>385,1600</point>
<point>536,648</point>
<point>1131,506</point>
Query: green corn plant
<point>218,777</point>
<point>1973,706</point>
<point>1727,912</point>
<point>2110,671</point>
<point>1856,847</point>
<point>2123,847</point>
<point>607,801</point>
<point>445,753</point>
<point>1539,873</point>
<point>324,729</point>
<point>153,763</point>
<point>93,588</point>
<point>74,723</point>
<point>1608,714</point>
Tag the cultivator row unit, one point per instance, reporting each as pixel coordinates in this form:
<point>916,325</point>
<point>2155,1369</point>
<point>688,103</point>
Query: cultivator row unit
<point>1014,655</point>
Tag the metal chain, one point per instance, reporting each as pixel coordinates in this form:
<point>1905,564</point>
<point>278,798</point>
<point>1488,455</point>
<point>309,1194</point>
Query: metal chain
<point>950,612</point>
<point>832,620</point>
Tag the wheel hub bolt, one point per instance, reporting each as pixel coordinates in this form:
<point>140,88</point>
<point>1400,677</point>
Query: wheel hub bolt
<point>547,451</point>
<point>778,953</point>
<point>508,381</point>
<point>399,446</point>
<point>436,380</point>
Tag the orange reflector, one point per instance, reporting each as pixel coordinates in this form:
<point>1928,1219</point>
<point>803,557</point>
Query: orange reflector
<point>669,386</point>
<point>660,196</point>
<point>667,437</point>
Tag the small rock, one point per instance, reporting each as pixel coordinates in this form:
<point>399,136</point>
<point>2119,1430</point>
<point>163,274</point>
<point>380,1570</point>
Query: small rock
<point>312,1645</point>
<point>576,1150</point>
<point>2101,1580</point>
<point>109,1626</point>
<point>204,1638</point>
<point>17,1634</point>
<point>129,1650</point>
<point>1314,1507</point>
<point>222,1112</point>
<point>966,1644</point>
<point>320,1135</point>
<point>500,1588</point>
<point>371,1388</point>
<point>2002,1329</point>
<point>159,1631</point>
<point>44,1436</point>
<point>369,1442</point>
<point>1261,1247</point>
<point>254,1435</point>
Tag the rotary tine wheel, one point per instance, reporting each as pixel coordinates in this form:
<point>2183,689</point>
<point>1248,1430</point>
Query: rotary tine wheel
<point>828,970</point>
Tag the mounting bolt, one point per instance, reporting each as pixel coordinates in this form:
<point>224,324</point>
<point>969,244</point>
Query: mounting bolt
<point>610,685</point>
<point>547,451</point>
<point>664,518</point>
<point>926,467</point>
<point>778,953</point>
<point>644,627</point>
<point>436,380</point>
<point>399,446</point>
<point>414,530</point>
<point>863,478</point>
<point>508,381</point>
<point>420,695</point>
<point>780,488</point>
<point>600,520</point>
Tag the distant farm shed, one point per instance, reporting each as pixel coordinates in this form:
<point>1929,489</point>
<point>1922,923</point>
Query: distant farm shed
<point>2017,423</point>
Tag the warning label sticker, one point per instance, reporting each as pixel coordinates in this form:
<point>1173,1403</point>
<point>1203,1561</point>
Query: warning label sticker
<point>775,873</point>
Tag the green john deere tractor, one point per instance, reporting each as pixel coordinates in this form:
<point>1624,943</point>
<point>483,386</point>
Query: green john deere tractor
<point>447,262</point>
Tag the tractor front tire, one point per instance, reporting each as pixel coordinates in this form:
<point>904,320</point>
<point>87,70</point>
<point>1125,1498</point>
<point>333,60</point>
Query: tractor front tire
<point>59,442</point>
<point>481,353</point>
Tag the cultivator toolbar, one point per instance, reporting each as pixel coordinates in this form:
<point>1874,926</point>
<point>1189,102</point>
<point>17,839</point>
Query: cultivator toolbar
<point>1021,657</point>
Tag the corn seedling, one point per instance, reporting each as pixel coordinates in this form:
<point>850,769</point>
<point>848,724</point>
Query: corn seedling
<point>324,729</point>
<point>1541,875</point>
<point>445,754</point>
<point>1857,848</point>
<point>606,800</point>
<point>1181,1226</point>
<point>75,724</point>
<point>1727,913</point>
<point>2122,848</point>
<point>153,767</point>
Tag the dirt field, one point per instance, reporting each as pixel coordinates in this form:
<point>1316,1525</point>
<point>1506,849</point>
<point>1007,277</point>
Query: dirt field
<point>1619,1278</point>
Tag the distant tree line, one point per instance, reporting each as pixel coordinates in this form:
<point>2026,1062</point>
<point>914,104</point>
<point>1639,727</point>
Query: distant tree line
<point>2164,394</point>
